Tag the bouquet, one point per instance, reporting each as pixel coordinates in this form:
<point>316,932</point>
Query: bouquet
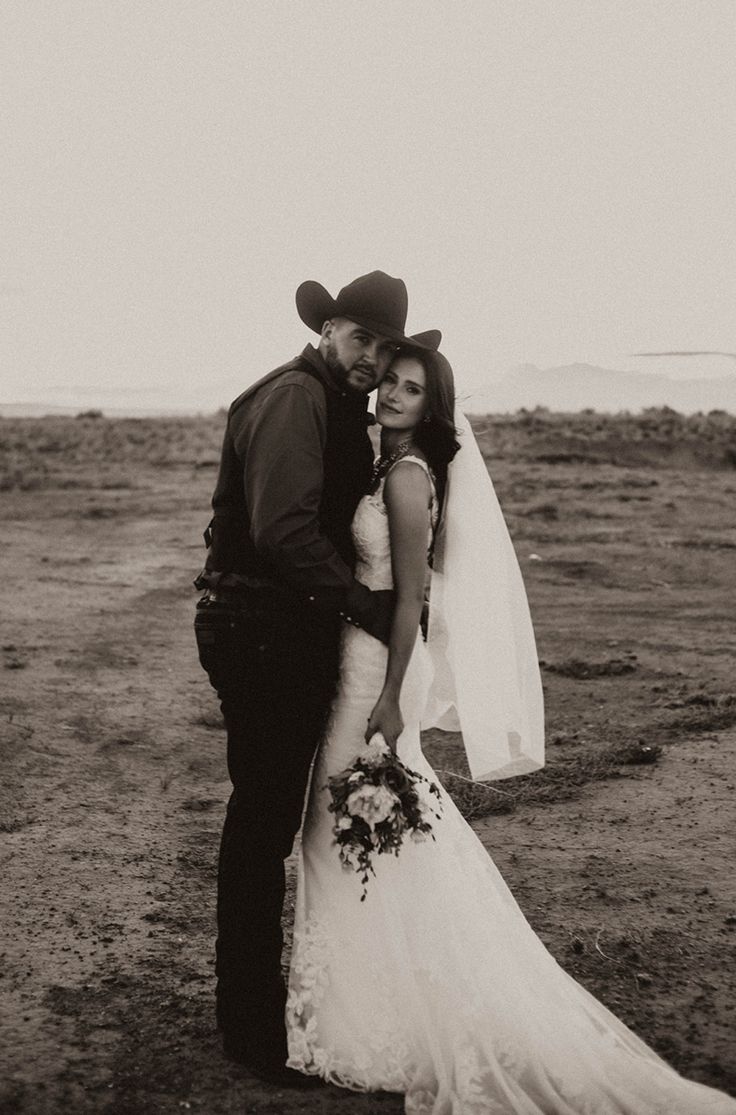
<point>377,802</point>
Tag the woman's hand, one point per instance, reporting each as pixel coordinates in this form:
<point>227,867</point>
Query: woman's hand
<point>386,719</point>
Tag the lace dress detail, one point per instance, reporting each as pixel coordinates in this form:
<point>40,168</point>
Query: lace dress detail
<point>436,986</point>
<point>370,529</point>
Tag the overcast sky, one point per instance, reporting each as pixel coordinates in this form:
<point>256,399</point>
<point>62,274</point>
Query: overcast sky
<point>554,181</point>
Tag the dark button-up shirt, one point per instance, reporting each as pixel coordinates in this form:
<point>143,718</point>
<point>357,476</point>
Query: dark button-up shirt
<point>296,459</point>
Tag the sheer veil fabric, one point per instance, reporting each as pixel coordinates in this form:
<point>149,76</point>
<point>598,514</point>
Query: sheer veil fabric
<point>481,641</point>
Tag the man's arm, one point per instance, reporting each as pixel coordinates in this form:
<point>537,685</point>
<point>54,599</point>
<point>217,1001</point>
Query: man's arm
<point>282,451</point>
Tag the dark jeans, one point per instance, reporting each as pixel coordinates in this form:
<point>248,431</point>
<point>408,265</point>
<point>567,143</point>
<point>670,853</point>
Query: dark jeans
<point>274,667</point>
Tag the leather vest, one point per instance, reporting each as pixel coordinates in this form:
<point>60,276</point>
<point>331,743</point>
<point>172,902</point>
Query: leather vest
<point>347,464</point>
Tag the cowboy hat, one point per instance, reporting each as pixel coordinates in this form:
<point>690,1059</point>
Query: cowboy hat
<point>377,301</point>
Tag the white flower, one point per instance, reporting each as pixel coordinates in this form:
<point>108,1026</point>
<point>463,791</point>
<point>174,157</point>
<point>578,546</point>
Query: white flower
<point>344,823</point>
<point>428,802</point>
<point>375,751</point>
<point>372,803</point>
<point>356,776</point>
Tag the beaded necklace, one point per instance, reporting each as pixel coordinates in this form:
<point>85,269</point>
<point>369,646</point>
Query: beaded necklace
<point>383,464</point>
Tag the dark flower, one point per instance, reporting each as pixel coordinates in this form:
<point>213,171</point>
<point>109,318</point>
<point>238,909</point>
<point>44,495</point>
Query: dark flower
<point>395,779</point>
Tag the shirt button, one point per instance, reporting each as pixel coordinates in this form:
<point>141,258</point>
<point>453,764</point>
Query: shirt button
<point>311,598</point>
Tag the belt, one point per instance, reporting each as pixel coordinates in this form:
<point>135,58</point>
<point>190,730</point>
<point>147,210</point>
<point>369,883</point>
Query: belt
<point>232,582</point>
<point>231,595</point>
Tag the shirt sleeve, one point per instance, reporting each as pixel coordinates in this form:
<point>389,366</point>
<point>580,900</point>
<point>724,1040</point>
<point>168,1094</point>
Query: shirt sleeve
<point>283,477</point>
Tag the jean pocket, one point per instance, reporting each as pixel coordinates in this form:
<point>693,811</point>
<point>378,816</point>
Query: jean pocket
<point>207,650</point>
<point>227,634</point>
<point>205,636</point>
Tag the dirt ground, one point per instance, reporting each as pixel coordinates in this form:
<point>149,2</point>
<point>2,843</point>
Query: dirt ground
<point>114,781</point>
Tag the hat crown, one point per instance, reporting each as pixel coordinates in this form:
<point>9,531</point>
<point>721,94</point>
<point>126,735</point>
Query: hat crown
<point>376,301</point>
<point>376,296</point>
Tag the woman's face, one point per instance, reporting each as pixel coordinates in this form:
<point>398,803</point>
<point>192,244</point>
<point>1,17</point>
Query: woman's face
<point>402,395</point>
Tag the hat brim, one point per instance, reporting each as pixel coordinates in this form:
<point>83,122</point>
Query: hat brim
<point>315,306</point>
<point>430,339</point>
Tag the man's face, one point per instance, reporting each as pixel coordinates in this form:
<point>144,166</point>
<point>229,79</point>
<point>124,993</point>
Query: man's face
<point>355,354</point>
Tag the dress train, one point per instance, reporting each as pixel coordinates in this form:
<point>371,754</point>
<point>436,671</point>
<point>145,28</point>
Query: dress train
<point>436,986</point>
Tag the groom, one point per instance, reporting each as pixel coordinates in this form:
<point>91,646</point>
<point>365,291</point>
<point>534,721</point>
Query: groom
<point>279,583</point>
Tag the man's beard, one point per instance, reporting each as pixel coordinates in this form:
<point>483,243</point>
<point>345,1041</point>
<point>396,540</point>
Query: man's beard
<point>341,373</point>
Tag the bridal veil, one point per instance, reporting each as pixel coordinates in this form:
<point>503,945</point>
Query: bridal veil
<point>487,683</point>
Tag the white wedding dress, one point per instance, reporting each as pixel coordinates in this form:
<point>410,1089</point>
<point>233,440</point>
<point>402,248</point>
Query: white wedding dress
<point>436,986</point>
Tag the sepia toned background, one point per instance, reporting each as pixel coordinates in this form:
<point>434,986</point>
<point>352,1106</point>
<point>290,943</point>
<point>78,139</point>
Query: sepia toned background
<point>554,182</point>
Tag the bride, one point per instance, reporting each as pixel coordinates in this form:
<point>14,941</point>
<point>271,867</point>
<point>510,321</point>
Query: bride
<point>436,986</point>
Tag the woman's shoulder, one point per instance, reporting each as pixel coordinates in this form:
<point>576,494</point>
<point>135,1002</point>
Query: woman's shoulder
<point>405,474</point>
<point>416,457</point>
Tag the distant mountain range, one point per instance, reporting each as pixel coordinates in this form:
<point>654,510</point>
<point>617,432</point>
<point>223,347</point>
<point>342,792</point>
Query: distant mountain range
<point>577,386</point>
<point>571,387</point>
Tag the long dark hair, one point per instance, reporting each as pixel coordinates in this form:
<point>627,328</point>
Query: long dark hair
<point>436,435</point>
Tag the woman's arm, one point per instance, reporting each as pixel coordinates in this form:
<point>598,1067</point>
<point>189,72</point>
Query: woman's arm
<point>406,495</point>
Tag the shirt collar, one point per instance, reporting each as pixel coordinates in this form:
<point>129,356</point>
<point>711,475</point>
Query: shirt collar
<point>314,357</point>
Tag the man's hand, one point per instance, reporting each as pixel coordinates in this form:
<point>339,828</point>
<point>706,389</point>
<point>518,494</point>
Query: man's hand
<point>371,610</point>
<point>378,623</point>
